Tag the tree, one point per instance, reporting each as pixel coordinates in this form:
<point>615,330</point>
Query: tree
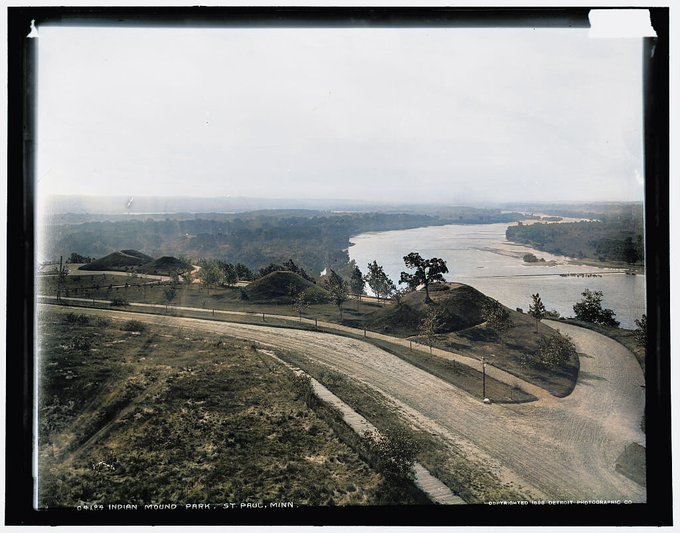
<point>62,275</point>
<point>377,280</point>
<point>169,293</point>
<point>556,350</point>
<point>210,274</point>
<point>188,274</point>
<point>641,332</point>
<point>589,309</point>
<point>537,309</point>
<point>427,271</point>
<point>300,303</point>
<point>229,275</point>
<point>496,316</point>
<point>243,272</point>
<point>356,281</point>
<point>338,289</point>
<point>430,325</point>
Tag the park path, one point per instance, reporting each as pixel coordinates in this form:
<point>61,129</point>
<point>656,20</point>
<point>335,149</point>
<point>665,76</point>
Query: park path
<point>555,449</point>
<point>491,371</point>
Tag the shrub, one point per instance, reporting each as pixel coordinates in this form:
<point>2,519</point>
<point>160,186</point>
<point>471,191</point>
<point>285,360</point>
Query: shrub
<point>396,452</point>
<point>102,321</point>
<point>556,350</point>
<point>133,325</point>
<point>302,385</point>
<point>80,343</point>
<point>73,318</point>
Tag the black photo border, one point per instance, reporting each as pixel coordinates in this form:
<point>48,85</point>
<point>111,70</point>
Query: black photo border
<point>20,251</point>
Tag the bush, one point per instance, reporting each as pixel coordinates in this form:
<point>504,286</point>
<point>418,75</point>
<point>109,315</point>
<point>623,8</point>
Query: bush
<point>80,343</point>
<point>102,321</point>
<point>133,325</point>
<point>302,385</point>
<point>396,452</point>
<point>556,350</point>
<point>73,318</point>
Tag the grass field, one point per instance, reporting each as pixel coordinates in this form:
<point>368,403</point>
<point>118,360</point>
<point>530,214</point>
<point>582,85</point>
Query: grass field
<point>130,414</point>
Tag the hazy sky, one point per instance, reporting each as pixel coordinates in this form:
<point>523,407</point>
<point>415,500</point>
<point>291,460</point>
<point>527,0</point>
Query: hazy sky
<point>446,115</point>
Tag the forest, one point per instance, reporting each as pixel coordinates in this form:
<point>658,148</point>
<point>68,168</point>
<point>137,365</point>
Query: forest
<point>313,239</point>
<point>615,239</point>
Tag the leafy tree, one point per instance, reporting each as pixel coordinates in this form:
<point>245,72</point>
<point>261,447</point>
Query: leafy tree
<point>271,267</point>
<point>169,293</point>
<point>356,281</point>
<point>210,274</point>
<point>555,350</point>
<point>243,272</point>
<point>427,271</point>
<point>377,280</point>
<point>187,274</point>
<point>496,316</point>
<point>337,287</point>
<point>229,275</point>
<point>301,303</point>
<point>430,325</point>
<point>398,295</point>
<point>641,332</point>
<point>589,309</point>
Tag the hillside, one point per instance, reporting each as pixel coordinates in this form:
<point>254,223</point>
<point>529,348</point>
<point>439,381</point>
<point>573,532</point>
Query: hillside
<point>123,260</point>
<point>463,330</point>
<point>164,266</point>
<point>460,308</point>
<point>283,286</point>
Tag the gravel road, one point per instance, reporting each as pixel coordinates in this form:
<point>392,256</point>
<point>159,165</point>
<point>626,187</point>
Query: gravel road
<point>552,449</point>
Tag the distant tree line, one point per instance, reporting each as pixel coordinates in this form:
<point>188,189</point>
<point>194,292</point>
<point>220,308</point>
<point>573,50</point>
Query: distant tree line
<point>619,240</point>
<point>254,239</point>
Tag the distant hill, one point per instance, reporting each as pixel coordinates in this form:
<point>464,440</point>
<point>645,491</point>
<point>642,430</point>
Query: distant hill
<point>164,266</point>
<point>123,260</point>
<point>283,286</point>
<point>460,308</point>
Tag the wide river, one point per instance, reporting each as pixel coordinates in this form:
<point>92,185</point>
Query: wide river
<point>479,255</point>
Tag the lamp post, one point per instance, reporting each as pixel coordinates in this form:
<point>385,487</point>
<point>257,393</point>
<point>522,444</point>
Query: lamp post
<point>484,398</point>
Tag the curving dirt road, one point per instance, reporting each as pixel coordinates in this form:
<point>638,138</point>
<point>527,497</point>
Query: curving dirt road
<point>556,449</point>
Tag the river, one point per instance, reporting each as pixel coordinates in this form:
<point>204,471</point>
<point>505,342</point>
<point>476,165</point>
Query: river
<point>479,255</point>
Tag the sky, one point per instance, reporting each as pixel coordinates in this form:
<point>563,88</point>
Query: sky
<point>420,115</point>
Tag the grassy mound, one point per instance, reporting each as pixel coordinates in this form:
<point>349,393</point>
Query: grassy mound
<point>282,287</point>
<point>123,260</point>
<point>460,307</point>
<point>164,266</point>
<point>463,330</point>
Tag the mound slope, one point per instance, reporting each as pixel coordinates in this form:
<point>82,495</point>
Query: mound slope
<point>118,261</point>
<point>460,307</point>
<point>283,286</point>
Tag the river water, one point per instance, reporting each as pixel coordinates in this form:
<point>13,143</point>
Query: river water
<point>479,255</point>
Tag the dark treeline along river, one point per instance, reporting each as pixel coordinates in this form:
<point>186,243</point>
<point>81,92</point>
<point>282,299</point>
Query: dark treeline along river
<point>480,256</point>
